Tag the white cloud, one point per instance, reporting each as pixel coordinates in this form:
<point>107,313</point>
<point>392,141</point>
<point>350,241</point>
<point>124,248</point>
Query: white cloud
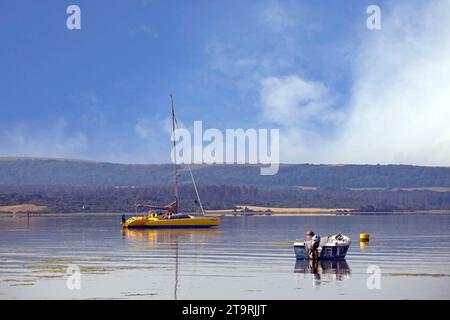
<point>301,108</point>
<point>154,134</point>
<point>400,107</point>
<point>145,129</point>
<point>293,101</point>
<point>399,110</point>
<point>277,17</point>
<point>53,141</point>
<point>154,128</point>
<point>274,44</point>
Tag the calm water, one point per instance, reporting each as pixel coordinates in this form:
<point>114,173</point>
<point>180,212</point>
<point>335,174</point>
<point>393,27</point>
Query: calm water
<point>247,258</point>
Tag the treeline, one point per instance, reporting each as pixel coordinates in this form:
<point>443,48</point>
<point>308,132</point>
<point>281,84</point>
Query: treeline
<point>114,199</point>
<point>122,199</point>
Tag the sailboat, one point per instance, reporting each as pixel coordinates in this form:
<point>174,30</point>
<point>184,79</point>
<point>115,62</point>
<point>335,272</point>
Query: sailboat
<point>169,216</point>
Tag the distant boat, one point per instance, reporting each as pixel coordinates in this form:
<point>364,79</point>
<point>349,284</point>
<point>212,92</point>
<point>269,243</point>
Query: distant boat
<point>328,248</point>
<point>169,216</point>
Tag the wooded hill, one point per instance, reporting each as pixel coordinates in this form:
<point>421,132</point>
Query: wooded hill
<point>16,172</point>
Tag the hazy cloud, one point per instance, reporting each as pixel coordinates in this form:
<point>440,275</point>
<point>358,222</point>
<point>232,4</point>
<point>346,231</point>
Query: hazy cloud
<point>294,102</point>
<point>277,16</point>
<point>53,141</point>
<point>399,106</point>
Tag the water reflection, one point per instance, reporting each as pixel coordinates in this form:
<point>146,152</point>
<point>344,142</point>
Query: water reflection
<point>239,260</point>
<point>153,238</point>
<point>363,244</point>
<point>323,270</point>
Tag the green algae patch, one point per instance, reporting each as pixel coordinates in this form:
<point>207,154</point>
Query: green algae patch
<point>17,283</point>
<point>412,274</point>
<point>132,267</point>
<point>282,243</point>
<point>57,270</point>
<point>130,294</point>
<point>69,260</point>
<point>63,269</point>
<point>48,276</point>
<point>55,261</point>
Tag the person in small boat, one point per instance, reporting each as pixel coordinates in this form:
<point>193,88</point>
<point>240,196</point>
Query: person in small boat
<point>309,235</point>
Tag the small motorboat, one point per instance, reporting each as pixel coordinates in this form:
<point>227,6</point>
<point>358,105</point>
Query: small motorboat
<point>328,248</point>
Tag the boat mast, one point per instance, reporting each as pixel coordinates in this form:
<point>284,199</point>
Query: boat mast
<point>175,173</point>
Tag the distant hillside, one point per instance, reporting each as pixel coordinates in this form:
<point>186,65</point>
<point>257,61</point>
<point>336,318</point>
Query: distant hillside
<point>23,171</point>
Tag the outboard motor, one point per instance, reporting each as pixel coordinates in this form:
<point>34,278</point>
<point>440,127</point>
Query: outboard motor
<point>313,253</point>
<point>315,242</point>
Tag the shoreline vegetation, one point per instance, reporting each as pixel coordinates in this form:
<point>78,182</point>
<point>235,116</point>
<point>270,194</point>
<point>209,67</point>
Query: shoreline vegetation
<point>65,199</point>
<point>239,211</point>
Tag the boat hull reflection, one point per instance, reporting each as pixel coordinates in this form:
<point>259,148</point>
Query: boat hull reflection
<point>167,236</point>
<point>337,270</point>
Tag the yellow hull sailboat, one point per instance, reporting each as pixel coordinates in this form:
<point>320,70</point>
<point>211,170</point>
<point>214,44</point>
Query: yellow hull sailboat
<point>168,216</point>
<point>188,221</point>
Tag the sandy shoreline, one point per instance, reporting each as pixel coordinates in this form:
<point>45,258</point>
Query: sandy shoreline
<point>222,214</point>
<point>22,208</point>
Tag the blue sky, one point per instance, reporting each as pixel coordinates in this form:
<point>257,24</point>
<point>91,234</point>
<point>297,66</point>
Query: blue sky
<point>310,68</point>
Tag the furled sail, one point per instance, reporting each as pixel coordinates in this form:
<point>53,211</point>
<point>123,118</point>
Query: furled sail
<point>171,207</point>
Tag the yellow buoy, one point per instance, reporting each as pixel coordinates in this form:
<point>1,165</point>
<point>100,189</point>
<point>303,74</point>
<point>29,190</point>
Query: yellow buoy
<point>364,237</point>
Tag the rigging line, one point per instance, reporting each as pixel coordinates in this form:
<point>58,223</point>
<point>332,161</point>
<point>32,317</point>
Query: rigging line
<point>196,190</point>
<point>175,172</point>
<point>175,126</point>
